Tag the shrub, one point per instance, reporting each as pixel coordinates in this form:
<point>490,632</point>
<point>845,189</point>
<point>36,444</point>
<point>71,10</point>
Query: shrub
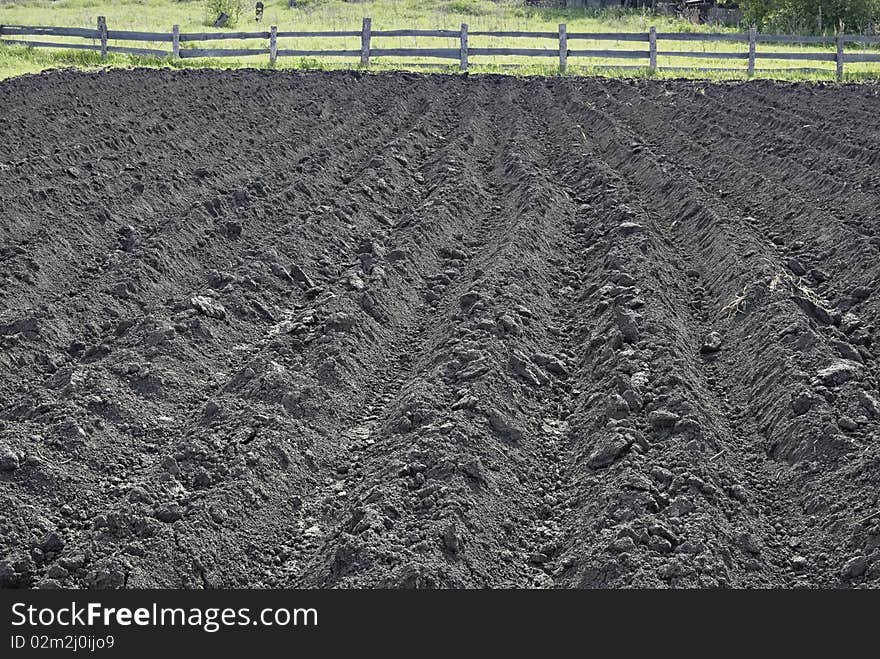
<point>232,8</point>
<point>810,16</point>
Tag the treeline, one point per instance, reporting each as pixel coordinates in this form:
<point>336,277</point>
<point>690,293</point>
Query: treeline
<point>812,16</point>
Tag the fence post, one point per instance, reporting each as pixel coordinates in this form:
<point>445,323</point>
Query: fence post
<point>365,43</point>
<point>463,52</point>
<point>102,28</point>
<point>839,58</point>
<point>175,41</point>
<point>563,48</point>
<point>273,44</point>
<point>753,38</point>
<point>652,48</point>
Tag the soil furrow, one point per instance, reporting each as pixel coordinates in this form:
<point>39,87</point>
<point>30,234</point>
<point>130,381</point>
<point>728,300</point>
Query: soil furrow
<point>788,525</point>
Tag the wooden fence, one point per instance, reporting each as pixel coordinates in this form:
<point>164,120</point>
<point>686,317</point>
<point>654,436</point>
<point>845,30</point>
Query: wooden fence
<point>101,36</point>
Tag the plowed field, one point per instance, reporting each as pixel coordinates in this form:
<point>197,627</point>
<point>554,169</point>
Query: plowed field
<point>340,330</point>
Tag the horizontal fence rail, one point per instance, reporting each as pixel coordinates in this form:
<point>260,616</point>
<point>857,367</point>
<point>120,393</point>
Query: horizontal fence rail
<point>463,52</point>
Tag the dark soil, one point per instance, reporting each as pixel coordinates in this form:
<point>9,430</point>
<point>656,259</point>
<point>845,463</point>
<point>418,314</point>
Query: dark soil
<point>341,330</point>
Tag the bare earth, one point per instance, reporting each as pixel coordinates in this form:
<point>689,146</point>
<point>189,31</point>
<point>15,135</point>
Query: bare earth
<point>340,330</point>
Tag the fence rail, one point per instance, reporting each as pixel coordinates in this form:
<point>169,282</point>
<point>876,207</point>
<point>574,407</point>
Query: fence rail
<point>463,53</point>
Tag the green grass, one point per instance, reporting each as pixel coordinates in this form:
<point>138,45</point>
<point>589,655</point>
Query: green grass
<point>480,15</point>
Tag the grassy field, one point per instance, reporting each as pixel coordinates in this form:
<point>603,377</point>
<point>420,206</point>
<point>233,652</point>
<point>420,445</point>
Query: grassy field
<point>480,15</point>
